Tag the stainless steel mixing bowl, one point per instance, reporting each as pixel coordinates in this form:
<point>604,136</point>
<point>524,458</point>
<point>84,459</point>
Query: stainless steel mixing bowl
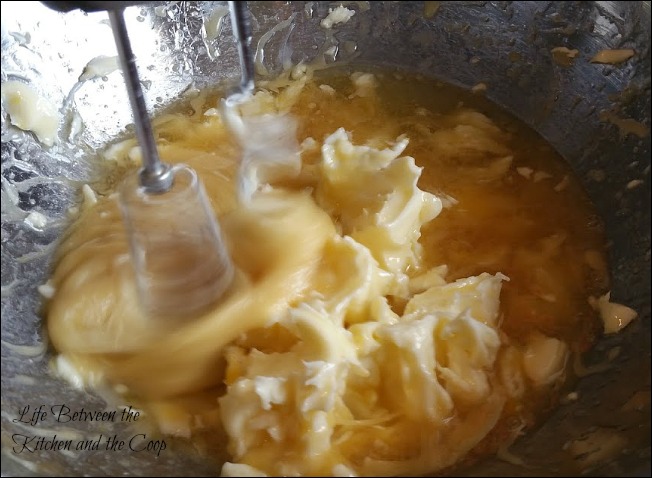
<point>597,116</point>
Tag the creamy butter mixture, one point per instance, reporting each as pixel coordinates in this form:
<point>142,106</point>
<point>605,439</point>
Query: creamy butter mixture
<point>407,296</point>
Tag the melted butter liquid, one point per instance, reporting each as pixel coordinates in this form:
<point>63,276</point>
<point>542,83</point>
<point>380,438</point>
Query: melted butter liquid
<point>527,217</point>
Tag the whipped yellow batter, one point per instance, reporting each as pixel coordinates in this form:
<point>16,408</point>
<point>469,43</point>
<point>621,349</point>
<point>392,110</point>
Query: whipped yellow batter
<point>400,300</point>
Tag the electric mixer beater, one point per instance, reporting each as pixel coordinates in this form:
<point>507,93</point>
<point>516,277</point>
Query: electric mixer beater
<point>180,260</point>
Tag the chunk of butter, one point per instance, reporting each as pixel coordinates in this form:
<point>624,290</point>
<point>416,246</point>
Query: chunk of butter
<point>30,112</point>
<point>544,359</point>
<point>614,316</point>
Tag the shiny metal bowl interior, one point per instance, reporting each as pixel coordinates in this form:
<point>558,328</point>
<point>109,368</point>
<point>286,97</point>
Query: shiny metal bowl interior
<point>183,46</point>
